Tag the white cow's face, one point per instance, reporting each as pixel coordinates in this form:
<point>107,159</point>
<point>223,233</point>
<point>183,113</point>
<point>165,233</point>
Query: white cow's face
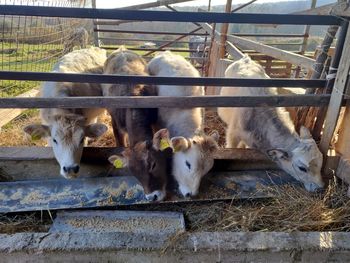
<point>66,135</point>
<point>304,163</point>
<point>193,158</point>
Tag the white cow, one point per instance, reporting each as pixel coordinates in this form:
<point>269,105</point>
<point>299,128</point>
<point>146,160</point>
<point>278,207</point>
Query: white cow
<point>270,129</point>
<point>193,149</point>
<point>68,128</point>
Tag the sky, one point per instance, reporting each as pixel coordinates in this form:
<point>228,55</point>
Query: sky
<point>121,3</point>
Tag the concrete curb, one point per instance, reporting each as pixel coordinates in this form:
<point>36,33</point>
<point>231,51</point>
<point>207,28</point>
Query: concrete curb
<point>190,247</point>
<point>231,241</point>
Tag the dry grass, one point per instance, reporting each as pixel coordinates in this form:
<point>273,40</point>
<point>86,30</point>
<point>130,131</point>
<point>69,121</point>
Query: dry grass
<point>292,209</point>
<point>213,122</point>
<point>107,139</point>
<point>26,222</point>
<point>13,135</point>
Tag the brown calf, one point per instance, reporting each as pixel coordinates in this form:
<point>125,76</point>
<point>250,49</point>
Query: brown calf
<point>144,158</point>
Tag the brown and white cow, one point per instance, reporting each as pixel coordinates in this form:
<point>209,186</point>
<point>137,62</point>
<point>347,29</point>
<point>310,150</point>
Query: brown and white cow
<point>193,156</point>
<point>66,129</point>
<point>144,158</point>
<point>270,129</point>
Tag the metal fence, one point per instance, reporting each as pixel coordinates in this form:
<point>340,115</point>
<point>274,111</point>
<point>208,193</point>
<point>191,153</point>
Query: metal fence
<point>334,99</point>
<point>31,43</point>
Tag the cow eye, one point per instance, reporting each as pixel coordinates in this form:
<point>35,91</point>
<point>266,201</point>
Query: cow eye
<point>153,166</point>
<point>54,140</point>
<point>303,169</point>
<point>188,165</point>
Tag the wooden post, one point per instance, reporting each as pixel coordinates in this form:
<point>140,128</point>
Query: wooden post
<point>339,89</point>
<point>6,115</point>
<point>343,143</point>
<point>213,61</point>
<point>224,29</point>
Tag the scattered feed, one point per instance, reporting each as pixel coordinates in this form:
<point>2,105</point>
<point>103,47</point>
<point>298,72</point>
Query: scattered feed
<point>292,209</point>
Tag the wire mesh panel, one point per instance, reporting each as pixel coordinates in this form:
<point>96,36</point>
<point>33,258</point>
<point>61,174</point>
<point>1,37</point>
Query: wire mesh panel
<point>31,43</point>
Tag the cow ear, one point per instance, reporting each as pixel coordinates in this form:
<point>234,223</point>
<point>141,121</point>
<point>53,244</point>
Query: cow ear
<point>278,154</point>
<point>161,140</point>
<point>95,130</point>
<point>210,144</point>
<point>305,133</point>
<point>37,131</point>
<point>118,161</point>
<point>180,144</point>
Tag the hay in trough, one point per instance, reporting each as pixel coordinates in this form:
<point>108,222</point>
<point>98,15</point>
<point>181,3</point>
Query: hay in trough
<point>292,209</point>
<point>24,222</point>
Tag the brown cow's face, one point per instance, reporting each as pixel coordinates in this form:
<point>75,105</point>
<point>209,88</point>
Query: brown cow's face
<point>147,161</point>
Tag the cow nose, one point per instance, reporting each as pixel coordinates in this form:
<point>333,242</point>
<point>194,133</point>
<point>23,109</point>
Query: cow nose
<point>319,190</point>
<point>155,198</point>
<point>314,188</point>
<point>188,195</point>
<point>70,169</point>
<point>75,168</point>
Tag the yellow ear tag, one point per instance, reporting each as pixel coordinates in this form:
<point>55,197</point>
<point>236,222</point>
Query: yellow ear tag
<point>164,144</point>
<point>118,164</point>
<point>35,137</point>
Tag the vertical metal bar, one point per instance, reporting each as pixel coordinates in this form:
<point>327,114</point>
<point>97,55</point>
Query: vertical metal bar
<point>303,112</point>
<point>330,83</point>
<point>305,40</point>
<point>96,33</point>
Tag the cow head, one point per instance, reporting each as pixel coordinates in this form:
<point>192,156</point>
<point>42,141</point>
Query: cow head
<point>147,161</point>
<point>66,134</point>
<point>304,162</point>
<point>192,159</point>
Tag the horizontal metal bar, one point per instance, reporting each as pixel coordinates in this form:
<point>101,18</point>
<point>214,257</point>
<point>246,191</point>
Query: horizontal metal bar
<point>149,40</point>
<point>167,102</point>
<point>210,17</point>
<point>148,32</point>
<point>267,35</point>
<point>283,44</point>
<point>152,49</point>
<point>96,78</point>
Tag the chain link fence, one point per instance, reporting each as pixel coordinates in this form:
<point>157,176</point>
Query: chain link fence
<point>29,43</point>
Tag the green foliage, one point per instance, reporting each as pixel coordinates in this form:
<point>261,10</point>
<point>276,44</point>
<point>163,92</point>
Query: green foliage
<point>5,26</point>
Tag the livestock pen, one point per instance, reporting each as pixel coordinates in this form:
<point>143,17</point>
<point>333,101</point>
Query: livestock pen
<point>30,179</point>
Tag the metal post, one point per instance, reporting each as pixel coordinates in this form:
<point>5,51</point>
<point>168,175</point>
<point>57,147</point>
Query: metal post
<point>305,40</point>
<point>96,32</point>
<point>330,83</point>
